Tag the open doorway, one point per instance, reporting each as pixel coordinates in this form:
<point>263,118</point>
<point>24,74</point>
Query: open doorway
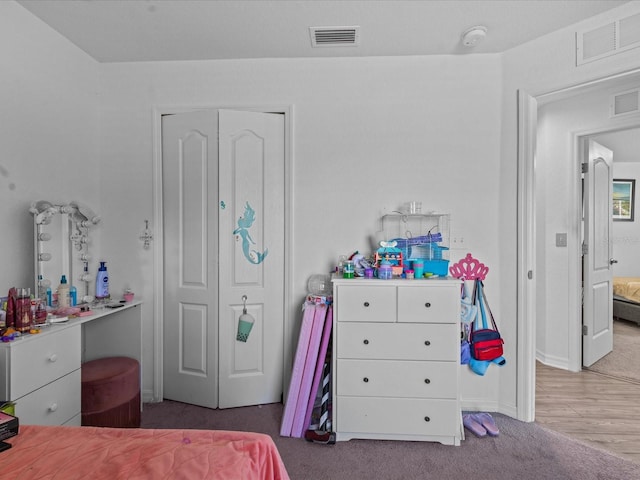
<point>623,359</point>
<point>550,272</point>
<point>563,124</point>
<point>591,407</point>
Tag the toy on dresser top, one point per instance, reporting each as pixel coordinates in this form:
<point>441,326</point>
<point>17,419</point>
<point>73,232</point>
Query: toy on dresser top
<point>18,313</point>
<point>389,257</point>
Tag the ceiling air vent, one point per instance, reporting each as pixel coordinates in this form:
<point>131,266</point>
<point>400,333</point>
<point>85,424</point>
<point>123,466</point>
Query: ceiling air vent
<point>335,36</point>
<point>608,39</point>
<point>625,103</point>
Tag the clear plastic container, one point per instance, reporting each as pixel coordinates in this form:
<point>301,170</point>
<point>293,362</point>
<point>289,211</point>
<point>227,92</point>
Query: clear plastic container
<point>319,285</point>
<point>385,271</point>
<point>348,269</point>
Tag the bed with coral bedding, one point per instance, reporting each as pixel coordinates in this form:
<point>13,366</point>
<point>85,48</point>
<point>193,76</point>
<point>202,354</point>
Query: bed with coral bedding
<point>626,298</point>
<point>43,452</point>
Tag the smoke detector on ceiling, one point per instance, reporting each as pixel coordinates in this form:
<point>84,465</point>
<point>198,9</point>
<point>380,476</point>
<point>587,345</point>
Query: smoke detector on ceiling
<point>473,36</point>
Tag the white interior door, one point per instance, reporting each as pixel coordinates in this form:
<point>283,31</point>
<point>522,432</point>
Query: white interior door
<point>190,197</point>
<point>223,240</point>
<point>597,338</point>
<point>251,155</point>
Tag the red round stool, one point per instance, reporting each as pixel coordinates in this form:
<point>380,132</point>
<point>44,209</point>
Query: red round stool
<point>111,392</point>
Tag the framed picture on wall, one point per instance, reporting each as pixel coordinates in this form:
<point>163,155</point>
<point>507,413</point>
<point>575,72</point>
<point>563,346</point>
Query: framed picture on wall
<point>624,193</point>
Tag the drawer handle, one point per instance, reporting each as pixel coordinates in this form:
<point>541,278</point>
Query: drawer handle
<point>428,304</point>
<point>427,381</point>
<point>53,358</point>
<point>366,304</point>
<point>427,419</point>
<point>366,342</point>
<point>427,343</point>
<point>365,380</point>
<point>53,407</point>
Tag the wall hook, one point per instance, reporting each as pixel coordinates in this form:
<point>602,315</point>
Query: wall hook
<point>146,236</point>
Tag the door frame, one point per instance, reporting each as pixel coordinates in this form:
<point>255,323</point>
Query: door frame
<point>526,261</point>
<point>527,245</point>
<point>158,258</point>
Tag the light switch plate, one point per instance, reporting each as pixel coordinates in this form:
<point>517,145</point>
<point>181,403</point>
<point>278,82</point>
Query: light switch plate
<point>561,239</point>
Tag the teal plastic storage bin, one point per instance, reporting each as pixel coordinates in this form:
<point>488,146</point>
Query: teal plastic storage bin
<point>437,267</point>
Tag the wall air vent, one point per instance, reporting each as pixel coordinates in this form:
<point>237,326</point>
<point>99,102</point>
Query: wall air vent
<point>608,39</point>
<point>625,103</point>
<point>335,36</point>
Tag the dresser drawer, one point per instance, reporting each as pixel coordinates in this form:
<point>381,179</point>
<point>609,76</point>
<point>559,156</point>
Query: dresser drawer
<point>41,360</point>
<point>53,404</point>
<point>433,304</point>
<point>394,378</point>
<point>398,341</point>
<point>397,416</point>
<point>75,421</point>
<point>366,303</point>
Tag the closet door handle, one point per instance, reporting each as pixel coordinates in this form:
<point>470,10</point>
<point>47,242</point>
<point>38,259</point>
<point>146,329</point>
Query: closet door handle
<point>365,341</point>
<point>53,358</point>
<point>366,304</point>
<point>427,419</point>
<point>427,342</point>
<point>53,407</point>
<point>365,380</point>
<point>427,381</point>
<point>428,304</point>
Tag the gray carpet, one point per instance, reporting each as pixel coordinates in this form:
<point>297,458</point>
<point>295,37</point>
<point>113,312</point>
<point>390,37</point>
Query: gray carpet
<point>624,361</point>
<point>523,451</point>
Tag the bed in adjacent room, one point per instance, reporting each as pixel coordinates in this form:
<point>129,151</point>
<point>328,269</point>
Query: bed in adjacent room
<point>626,298</point>
<point>113,453</point>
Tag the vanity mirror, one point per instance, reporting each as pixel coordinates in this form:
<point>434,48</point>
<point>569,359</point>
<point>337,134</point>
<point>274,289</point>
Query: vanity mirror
<point>61,246</point>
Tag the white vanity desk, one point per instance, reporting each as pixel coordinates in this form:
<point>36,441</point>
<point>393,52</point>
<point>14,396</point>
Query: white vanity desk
<point>41,372</point>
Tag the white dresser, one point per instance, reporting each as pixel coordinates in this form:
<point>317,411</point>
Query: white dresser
<point>41,372</point>
<point>396,354</point>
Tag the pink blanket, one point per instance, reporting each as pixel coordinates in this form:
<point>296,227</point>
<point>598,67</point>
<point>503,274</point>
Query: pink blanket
<point>41,452</point>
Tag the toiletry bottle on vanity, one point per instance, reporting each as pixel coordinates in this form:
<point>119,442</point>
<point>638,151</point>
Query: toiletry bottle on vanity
<point>73,296</point>
<point>102,282</point>
<point>42,289</point>
<point>63,293</point>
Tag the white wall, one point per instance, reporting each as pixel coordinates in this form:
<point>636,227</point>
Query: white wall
<point>539,67</point>
<point>49,134</point>
<point>369,134</point>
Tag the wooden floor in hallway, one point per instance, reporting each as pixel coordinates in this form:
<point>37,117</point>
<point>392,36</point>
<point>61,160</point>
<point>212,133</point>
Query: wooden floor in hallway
<point>597,409</point>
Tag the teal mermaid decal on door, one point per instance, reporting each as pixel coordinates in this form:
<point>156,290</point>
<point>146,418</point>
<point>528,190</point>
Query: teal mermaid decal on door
<point>244,224</point>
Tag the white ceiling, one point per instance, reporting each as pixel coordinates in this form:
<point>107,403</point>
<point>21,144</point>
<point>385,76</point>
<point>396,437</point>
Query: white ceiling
<point>149,30</point>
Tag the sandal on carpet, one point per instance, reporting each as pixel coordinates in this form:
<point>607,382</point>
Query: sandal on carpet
<point>471,424</point>
<point>487,422</point>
